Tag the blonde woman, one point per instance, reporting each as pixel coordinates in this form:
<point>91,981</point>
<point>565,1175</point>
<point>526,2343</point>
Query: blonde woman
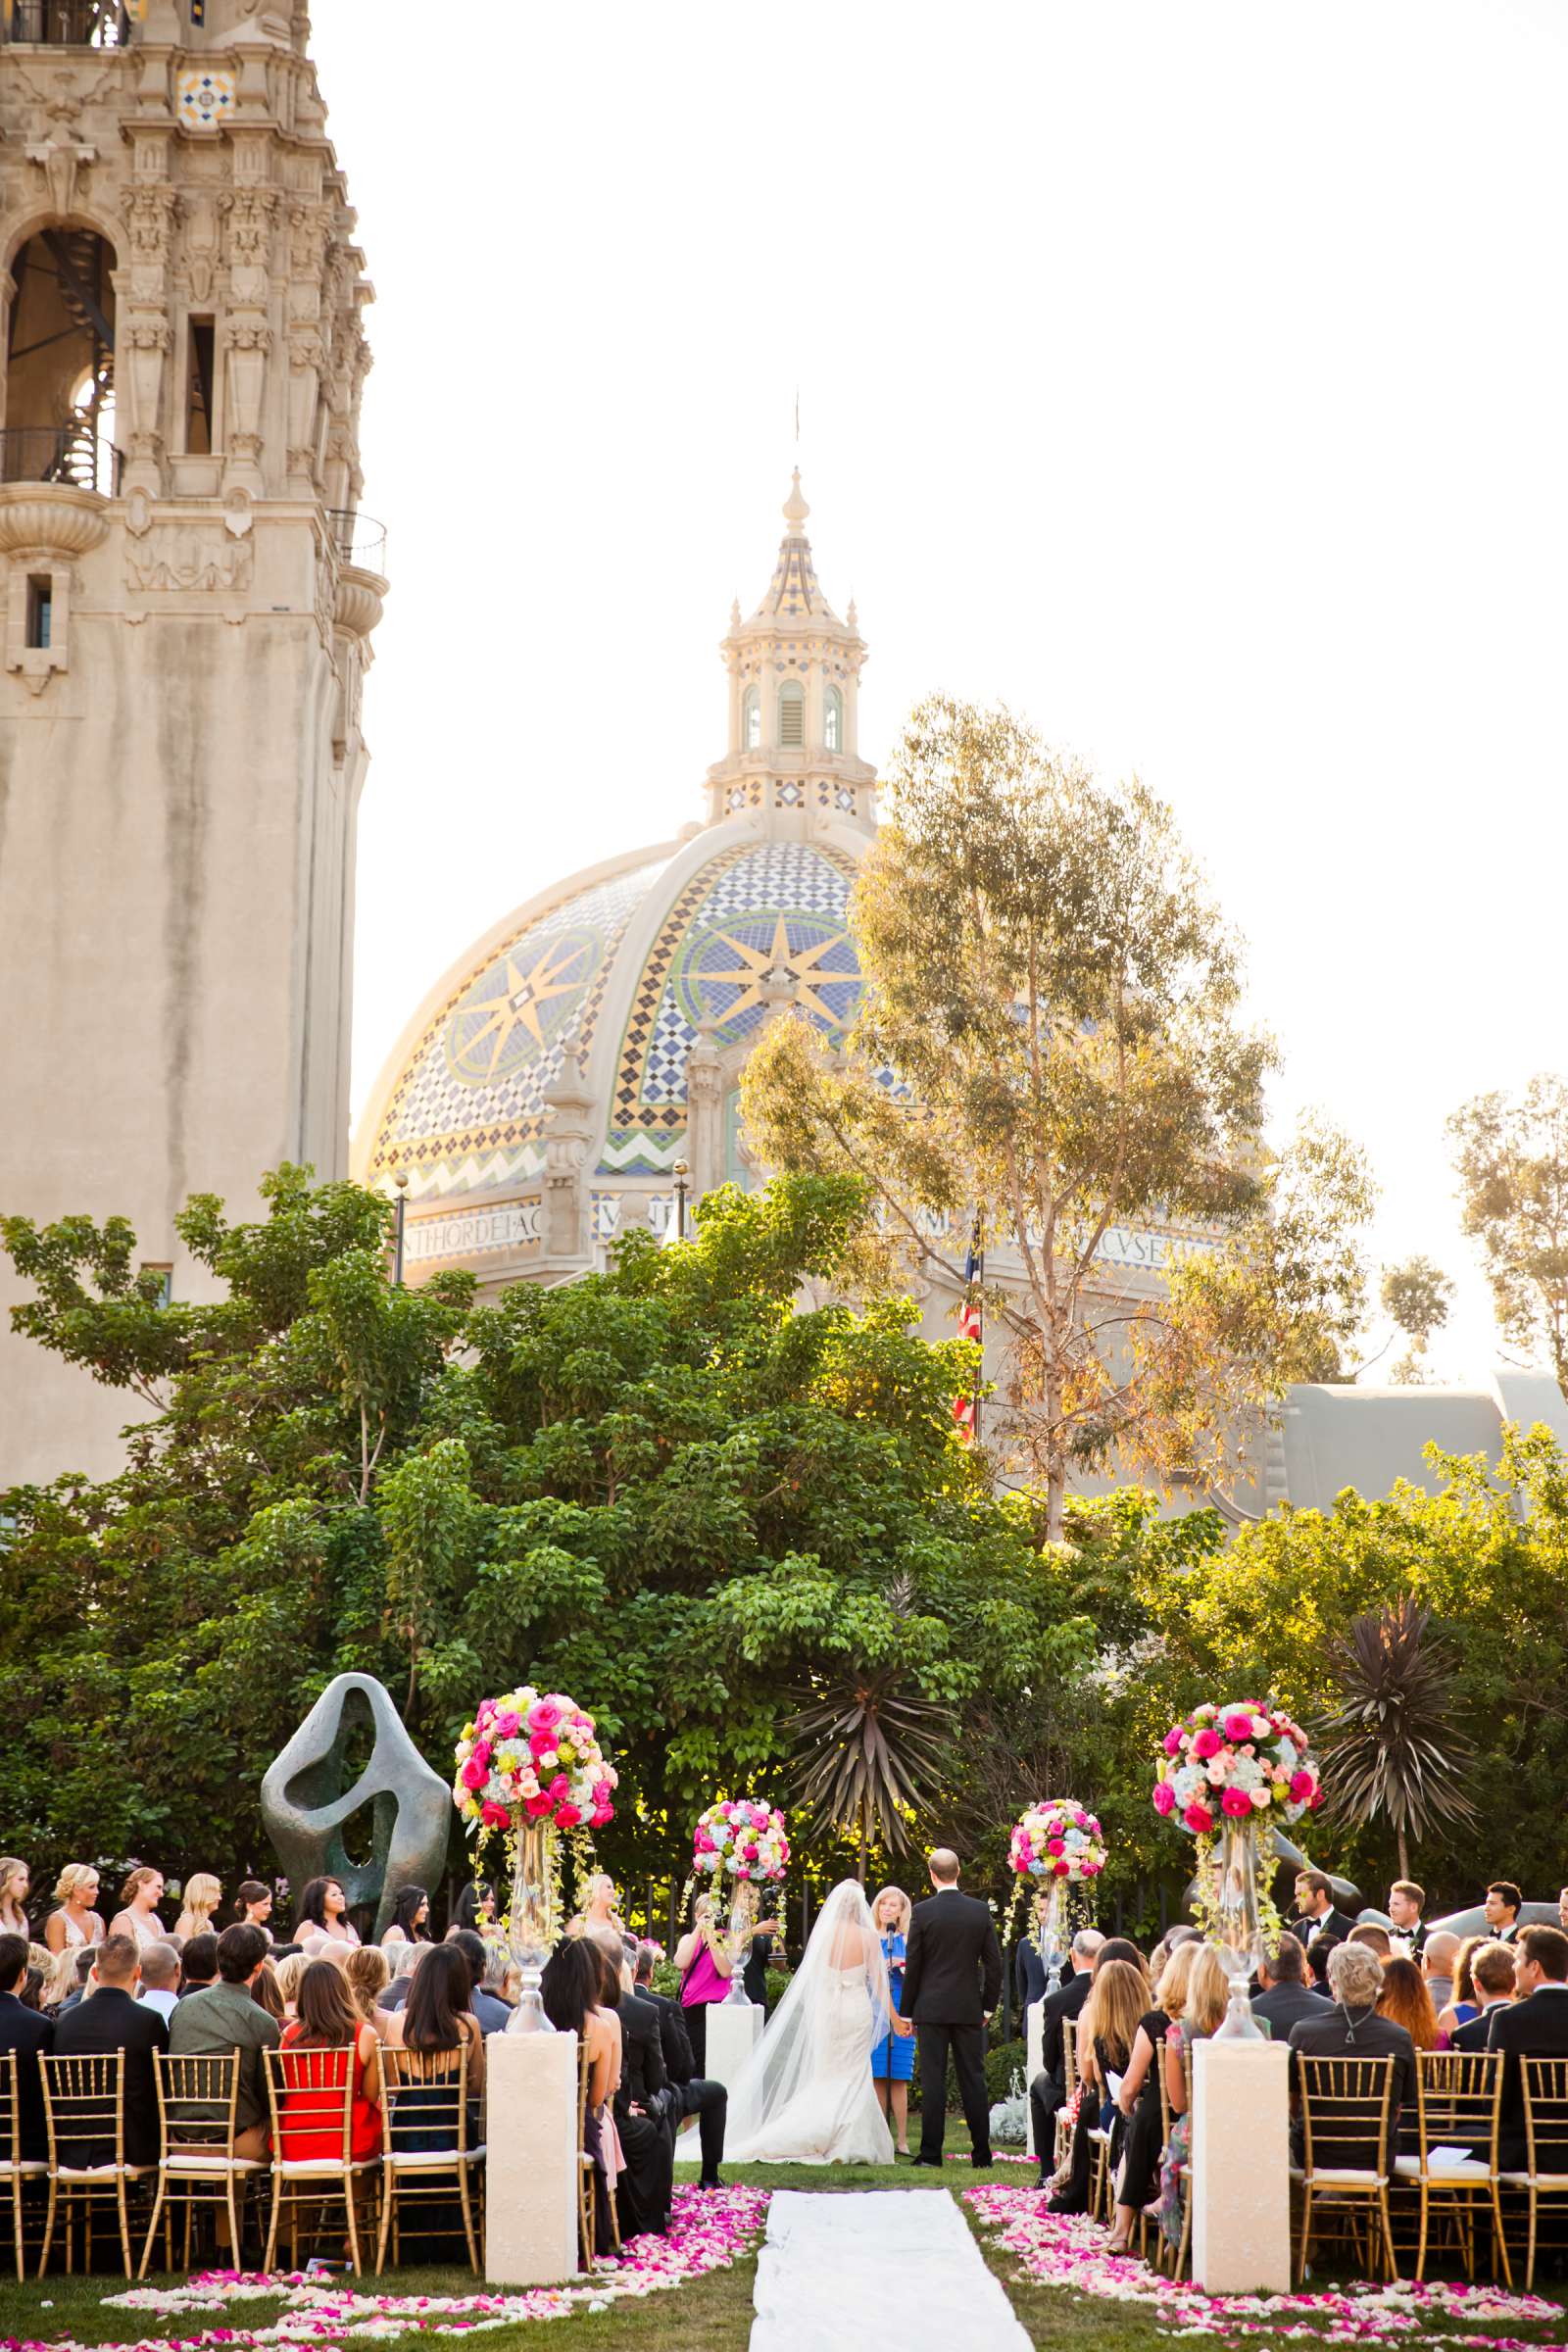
<point>289,1971</point>
<point>79,1920</point>
<point>1107,2028</point>
<point>203,1894</point>
<point>368,1972</point>
<point>601,1907</point>
<point>893,2057</point>
<point>1138,2096</point>
<point>1208,1994</point>
<point>16,1885</point>
<point>139,1898</point>
<point>60,1982</point>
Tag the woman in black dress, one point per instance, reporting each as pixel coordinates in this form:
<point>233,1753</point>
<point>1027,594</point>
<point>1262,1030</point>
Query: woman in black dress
<point>1106,2032</point>
<point>1139,2100</point>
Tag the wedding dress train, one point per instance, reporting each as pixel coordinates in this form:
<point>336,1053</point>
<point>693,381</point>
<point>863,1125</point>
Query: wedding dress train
<point>806,2095</point>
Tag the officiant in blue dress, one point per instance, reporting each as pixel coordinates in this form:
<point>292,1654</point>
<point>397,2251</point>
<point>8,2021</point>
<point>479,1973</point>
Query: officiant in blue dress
<point>893,2057</point>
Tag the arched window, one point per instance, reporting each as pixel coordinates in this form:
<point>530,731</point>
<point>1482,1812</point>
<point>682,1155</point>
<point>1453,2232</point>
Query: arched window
<point>792,712</point>
<point>750,720</point>
<point>832,720</point>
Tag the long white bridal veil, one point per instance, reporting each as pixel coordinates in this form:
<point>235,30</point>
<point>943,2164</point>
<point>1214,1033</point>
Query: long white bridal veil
<point>804,2038</point>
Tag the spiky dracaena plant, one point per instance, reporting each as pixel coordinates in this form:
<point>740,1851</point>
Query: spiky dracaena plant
<point>1390,1750</point>
<point>869,1752</point>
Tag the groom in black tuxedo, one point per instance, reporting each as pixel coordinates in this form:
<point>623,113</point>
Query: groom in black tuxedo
<point>951,1982</point>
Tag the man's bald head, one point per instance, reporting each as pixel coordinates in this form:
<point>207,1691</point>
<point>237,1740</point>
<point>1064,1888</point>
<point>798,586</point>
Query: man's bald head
<point>944,1866</point>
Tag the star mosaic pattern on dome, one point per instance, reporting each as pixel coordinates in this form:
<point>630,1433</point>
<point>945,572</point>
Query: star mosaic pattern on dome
<point>469,1111</point>
<point>754,923</point>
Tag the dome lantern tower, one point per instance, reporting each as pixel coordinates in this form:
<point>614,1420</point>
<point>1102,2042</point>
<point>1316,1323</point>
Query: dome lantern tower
<point>794,686</point>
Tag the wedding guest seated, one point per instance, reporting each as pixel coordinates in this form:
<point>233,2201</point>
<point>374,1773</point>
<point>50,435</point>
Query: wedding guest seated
<point>1501,1907</point>
<point>1207,1998</point>
<point>290,1973</point>
<point>112,2019</point>
<point>265,1992</point>
<point>323,1930</point>
<point>569,1989</point>
<point>224,2016</point>
<point>16,1885</point>
<point>1405,1999</point>
<point>253,1905</point>
<point>640,2103</point>
<point>1535,2026</point>
<point>1439,1956</point>
<point>1285,1994</point>
<point>405,1959</point>
<point>160,1977</point>
<point>72,1970</point>
<point>410,1918</point>
<point>1406,1902</point>
<point>1353,2028</point>
<point>1317,1921</point>
<point>695,2096</point>
<point>203,1894</point>
<point>328,2020</point>
<point>1049,2088</point>
<point>436,2024</point>
<point>367,1973</point>
<point>27,2032</point>
<point>476,1908</point>
<point>197,1964</point>
<point>1117,2003</point>
<point>500,1976</point>
<point>77,1921</point>
<point>494,2015</point>
<point>139,1897</point>
<point>1464,2006</point>
<point>1377,1939</point>
<point>1139,2096</point>
<point>1492,1973</point>
<point>31,1997</point>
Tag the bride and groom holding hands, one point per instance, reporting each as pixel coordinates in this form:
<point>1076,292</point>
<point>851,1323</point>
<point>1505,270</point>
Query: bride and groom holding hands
<point>806,2096</point>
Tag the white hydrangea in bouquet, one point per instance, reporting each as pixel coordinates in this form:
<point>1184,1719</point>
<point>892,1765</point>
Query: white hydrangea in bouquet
<point>1058,1848</point>
<point>741,1838</point>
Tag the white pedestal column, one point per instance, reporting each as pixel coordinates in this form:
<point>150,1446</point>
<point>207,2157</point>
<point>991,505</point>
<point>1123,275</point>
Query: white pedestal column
<point>531,2135</point>
<point>1034,2042</point>
<point>1241,2184</point>
<point>733,2033</point>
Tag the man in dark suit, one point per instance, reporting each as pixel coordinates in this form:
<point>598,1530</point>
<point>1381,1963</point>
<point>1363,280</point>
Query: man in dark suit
<point>111,2018</point>
<point>1285,1997</point>
<point>1491,1972</point>
<point>693,2093</point>
<point>28,2033</point>
<point>1317,1922</point>
<point>1406,1902</point>
<point>1049,2090</point>
<point>952,1982</point>
<point>1031,1978</point>
<point>1535,2026</point>
<point>1501,1907</point>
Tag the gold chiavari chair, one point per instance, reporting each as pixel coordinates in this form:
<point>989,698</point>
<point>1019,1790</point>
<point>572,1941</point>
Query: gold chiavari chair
<point>198,2100</point>
<point>1458,2094</point>
<point>1344,2123</point>
<point>426,2156</point>
<point>1062,2147</point>
<point>309,2090</point>
<point>18,2172</point>
<point>1179,2253</point>
<point>85,2107</point>
<point>1544,2083</point>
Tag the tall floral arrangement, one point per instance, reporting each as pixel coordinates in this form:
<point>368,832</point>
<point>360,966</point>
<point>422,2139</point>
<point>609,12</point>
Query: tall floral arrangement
<point>1058,1848</point>
<point>532,1757</point>
<point>741,1838</point>
<point>1234,1771</point>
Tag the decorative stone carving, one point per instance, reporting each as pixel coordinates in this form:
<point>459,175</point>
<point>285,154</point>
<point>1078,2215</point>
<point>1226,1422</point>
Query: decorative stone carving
<point>61,161</point>
<point>51,520</point>
<point>570,1105</point>
<point>174,556</point>
<point>305,1806</point>
<point>357,606</point>
<point>201,248</point>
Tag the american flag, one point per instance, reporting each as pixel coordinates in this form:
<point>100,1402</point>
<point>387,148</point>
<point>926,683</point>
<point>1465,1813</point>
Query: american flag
<point>971,1326</point>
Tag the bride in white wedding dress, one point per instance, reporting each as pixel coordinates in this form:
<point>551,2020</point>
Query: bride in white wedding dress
<point>806,2096</point>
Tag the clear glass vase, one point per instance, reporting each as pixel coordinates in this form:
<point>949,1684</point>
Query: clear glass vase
<point>738,1938</point>
<point>1237,1916</point>
<point>530,1921</point>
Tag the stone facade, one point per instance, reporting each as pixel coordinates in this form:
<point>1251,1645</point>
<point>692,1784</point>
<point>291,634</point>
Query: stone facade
<point>189,593</point>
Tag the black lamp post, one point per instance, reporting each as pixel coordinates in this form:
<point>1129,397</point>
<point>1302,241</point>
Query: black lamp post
<point>402,1183</point>
<point>682,1172</point>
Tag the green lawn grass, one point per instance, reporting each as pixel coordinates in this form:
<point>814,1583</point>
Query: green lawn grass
<point>712,2314</point>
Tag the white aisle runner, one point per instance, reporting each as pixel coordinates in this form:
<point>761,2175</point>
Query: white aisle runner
<point>895,2266</point>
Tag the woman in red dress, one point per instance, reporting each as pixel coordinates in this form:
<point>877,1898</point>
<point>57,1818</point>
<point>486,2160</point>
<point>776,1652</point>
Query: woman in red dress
<point>325,2039</point>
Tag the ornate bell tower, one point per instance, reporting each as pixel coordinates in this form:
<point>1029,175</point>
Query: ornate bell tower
<point>188,592</point>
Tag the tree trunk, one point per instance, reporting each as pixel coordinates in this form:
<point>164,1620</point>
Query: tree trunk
<point>1405,1853</point>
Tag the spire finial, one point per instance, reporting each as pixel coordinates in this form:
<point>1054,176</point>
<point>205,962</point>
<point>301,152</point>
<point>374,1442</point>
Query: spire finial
<point>795,509</point>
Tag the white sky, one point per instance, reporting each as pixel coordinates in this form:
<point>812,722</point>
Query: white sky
<point>1191,377</point>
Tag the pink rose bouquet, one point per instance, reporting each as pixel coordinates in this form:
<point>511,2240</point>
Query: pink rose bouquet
<point>532,1757</point>
<point>1057,1840</point>
<point>741,1838</point>
<point>1234,1762</point>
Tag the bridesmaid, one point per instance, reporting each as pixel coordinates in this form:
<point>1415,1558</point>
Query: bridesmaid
<point>79,1920</point>
<point>140,1898</point>
<point>893,2058</point>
